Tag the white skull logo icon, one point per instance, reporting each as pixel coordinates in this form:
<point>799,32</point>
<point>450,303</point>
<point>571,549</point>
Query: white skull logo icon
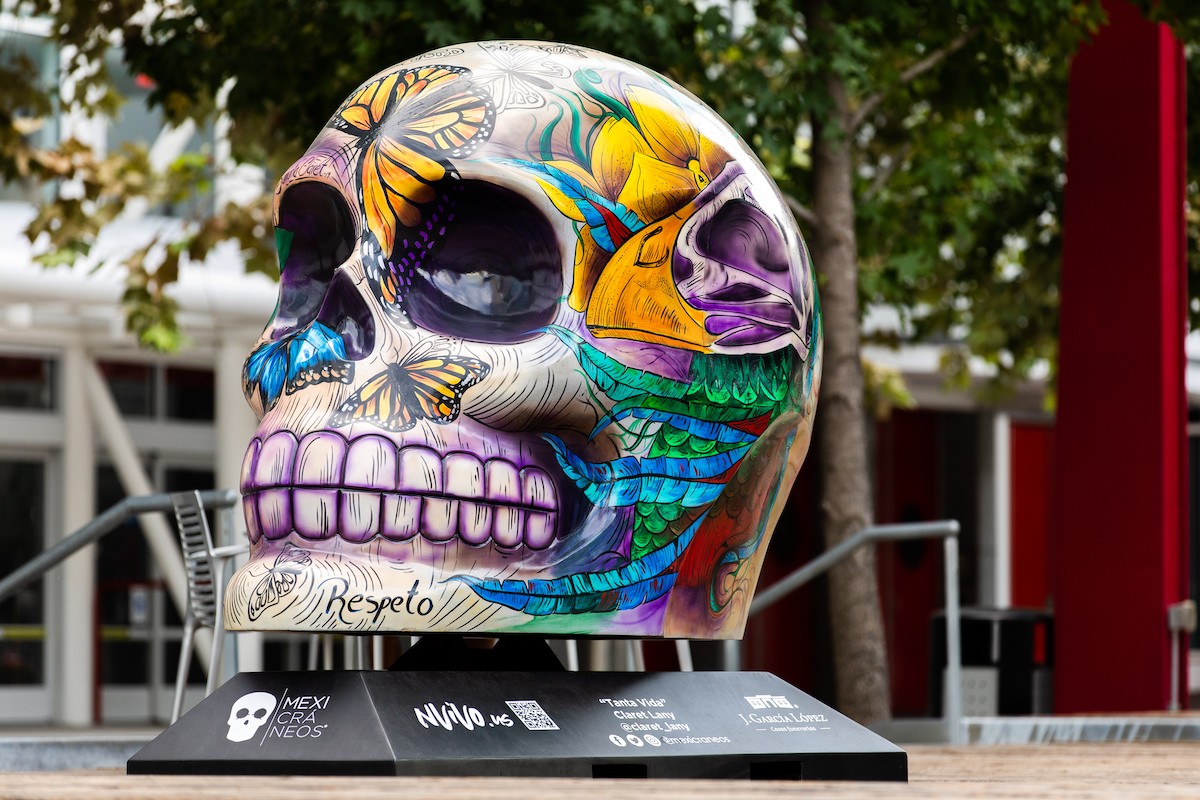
<point>249,713</point>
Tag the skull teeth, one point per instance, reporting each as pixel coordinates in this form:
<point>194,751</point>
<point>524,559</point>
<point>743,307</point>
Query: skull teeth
<point>325,486</point>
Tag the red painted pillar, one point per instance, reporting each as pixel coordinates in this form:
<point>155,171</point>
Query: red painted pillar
<point>1121,550</point>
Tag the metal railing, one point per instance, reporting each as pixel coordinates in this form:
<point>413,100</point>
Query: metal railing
<point>102,524</point>
<point>947,530</point>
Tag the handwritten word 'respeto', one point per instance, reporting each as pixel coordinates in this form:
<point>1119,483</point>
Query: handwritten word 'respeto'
<point>362,604</point>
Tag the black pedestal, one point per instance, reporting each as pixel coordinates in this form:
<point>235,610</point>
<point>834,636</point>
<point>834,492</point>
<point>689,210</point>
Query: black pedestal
<point>636,725</point>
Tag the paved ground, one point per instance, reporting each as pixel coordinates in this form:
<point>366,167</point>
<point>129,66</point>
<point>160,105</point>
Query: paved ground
<point>1041,771</point>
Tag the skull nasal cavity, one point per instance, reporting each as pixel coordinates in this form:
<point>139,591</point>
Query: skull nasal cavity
<point>315,235</point>
<point>497,277</point>
<point>345,311</point>
<point>743,237</point>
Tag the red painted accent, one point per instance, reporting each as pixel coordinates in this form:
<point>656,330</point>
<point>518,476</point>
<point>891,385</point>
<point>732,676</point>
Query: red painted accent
<point>1032,513</point>
<point>618,231</point>
<point>724,477</point>
<point>1121,547</point>
<point>754,427</point>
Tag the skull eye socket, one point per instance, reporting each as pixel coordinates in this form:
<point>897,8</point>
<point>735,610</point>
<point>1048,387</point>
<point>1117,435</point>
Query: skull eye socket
<point>497,277</point>
<point>242,712</point>
<point>260,713</point>
<point>315,235</point>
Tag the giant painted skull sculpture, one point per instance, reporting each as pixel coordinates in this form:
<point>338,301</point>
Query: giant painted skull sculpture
<point>545,359</point>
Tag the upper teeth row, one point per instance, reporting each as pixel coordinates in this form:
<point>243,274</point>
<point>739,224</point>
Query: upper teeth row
<point>523,501</point>
<point>372,462</point>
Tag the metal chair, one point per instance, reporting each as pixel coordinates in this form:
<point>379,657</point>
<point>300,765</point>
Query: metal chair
<point>205,566</point>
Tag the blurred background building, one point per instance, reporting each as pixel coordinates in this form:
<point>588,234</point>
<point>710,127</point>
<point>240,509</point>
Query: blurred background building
<point>99,639</point>
<point>991,468</point>
<point>185,414</point>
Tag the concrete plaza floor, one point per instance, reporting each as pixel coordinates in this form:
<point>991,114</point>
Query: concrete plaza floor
<point>1122,770</point>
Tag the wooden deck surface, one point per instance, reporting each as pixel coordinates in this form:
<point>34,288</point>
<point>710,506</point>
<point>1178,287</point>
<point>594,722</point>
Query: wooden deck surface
<point>1046,771</point>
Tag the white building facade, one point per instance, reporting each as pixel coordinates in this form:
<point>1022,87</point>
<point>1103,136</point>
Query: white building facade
<point>98,639</point>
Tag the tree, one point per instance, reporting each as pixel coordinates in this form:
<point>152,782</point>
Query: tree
<point>920,144</point>
<point>932,142</point>
<point>92,191</point>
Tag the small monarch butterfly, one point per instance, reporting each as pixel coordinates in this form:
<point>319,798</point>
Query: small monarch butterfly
<point>422,386</point>
<point>410,121</point>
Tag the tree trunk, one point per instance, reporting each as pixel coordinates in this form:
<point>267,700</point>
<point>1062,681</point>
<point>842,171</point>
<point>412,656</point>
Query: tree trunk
<point>859,652</point>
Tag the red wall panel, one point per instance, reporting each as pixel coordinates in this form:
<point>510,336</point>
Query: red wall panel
<point>1121,461</point>
<point>1032,514</point>
<point>907,470</point>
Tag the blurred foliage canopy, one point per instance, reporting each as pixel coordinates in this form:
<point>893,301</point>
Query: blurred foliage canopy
<point>920,143</point>
<point>958,138</point>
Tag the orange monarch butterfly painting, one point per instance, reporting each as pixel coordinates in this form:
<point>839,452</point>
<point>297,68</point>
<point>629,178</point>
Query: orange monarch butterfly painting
<point>422,386</point>
<point>411,122</point>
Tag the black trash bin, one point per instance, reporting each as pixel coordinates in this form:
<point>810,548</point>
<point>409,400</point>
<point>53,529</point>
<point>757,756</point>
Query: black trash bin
<point>1008,661</point>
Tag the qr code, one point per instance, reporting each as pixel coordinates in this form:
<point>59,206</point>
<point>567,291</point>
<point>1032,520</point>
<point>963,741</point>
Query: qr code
<point>532,714</point>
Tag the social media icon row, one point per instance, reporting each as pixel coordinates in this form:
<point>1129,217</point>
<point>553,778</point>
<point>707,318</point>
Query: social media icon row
<point>636,741</point>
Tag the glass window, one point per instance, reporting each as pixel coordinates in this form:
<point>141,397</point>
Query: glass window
<point>123,570</point>
<point>122,555</point>
<point>276,655</point>
<point>124,662</point>
<point>132,386</point>
<point>26,382</point>
<point>122,562</point>
<point>26,51</point>
<point>137,123</point>
<point>182,479</point>
<point>22,520</point>
<point>189,394</point>
<point>171,651</point>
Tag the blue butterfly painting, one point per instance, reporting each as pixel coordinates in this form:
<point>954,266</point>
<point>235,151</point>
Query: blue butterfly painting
<point>313,355</point>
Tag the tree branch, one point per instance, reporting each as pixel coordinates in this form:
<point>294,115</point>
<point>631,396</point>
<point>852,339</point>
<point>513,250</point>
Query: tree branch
<point>882,177</point>
<point>912,73</point>
<point>801,211</point>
